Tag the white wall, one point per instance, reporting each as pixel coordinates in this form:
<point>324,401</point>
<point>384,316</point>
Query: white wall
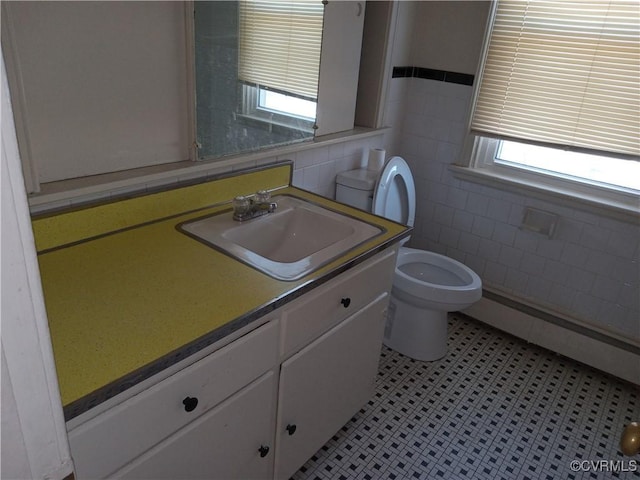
<point>103,84</point>
<point>452,39</point>
<point>589,271</point>
<point>34,441</point>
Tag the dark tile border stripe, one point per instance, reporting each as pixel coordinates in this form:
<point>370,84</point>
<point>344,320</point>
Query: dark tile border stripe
<point>432,74</point>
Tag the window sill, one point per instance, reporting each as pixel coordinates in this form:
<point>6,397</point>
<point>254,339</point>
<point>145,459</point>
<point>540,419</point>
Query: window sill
<point>272,124</point>
<point>627,208</point>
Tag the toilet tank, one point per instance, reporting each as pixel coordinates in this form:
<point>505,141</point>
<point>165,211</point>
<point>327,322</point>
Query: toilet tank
<point>355,188</point>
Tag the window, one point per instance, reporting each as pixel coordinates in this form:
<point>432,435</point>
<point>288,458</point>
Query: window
<point>286,104</point>
<point>278,44</point>
<point>584,167</point>
<point>558,97</point>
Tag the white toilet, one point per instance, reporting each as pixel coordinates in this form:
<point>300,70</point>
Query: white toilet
<point>426,285</point>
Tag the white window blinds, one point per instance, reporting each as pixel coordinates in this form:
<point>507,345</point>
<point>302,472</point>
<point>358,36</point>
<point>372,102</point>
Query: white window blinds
<point>563,73</point>
<point>280,44</point>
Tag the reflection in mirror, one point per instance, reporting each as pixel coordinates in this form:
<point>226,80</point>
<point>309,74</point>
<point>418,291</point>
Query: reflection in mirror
<point>257,64</point>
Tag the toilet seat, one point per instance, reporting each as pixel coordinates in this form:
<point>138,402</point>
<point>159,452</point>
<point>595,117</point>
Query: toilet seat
<point>395,194</point>
<point>442,280</point>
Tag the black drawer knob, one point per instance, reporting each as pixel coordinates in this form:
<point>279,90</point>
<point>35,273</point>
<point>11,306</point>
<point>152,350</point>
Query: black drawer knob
<point>190,404</point>
<point>345,302</point>
<point>291,428</point>
<point>264,451</point>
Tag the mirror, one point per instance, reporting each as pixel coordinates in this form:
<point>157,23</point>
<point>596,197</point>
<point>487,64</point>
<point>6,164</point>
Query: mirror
<point>256,73</point>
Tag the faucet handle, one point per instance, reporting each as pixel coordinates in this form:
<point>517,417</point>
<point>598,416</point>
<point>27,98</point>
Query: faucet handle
<point>263,196</point>
<point>241,205</point>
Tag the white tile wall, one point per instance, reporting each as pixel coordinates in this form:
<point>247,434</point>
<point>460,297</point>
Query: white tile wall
<point>590,270</point>
<point>315,169</point>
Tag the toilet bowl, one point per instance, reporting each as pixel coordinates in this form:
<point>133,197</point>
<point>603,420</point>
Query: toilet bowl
<point>426,285</point>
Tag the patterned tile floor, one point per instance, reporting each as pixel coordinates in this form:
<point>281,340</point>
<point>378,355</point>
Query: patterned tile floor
<point>494,408</point>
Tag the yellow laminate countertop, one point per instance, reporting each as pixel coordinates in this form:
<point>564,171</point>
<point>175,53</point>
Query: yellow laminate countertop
<point>120,300</point>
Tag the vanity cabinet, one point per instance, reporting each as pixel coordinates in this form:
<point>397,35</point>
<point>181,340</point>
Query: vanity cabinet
<point>325,384</point>
<point>258,407</point>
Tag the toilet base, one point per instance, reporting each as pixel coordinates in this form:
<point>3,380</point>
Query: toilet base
<point>416,332</point>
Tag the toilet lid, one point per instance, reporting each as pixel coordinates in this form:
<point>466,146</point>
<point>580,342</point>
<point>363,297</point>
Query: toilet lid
<point>395,194</point>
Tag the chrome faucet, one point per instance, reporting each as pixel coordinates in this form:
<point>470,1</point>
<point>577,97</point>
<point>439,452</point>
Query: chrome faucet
<point>252,206</point>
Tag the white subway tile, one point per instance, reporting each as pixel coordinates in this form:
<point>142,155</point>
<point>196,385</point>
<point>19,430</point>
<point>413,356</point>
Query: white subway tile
<point>489,250</point>
<point>580,279</point>
<point>626,271</point>
<point>623,245</point>
<point>297,179</point>
<point>586,306</point>
<point>599,262</point>
<point>444,214</point>
<point>516,281</point>
<point>562,295</point>
<point>447,152</point>
<point>495,273</point>
<point>532,264</point>
<point>469,243</point>
<point>482,227</point>
<point>505,234</point>
<point>449,236</point>
<point>605,288</point>
<point>539,288</point>
<point>499,210</point>
<point>477,204</point>
<point>574,255</point>
<point>457,198</point>
<point>595,238</point>
<point>556,271</point>
<point>437,192</point>
<point>463,220</point>
<point>336,151</point>
<point>509,256</point>
<point>550,248</point>
<point>327,179</point>
<point>526,241</point>
<point>311,177</point>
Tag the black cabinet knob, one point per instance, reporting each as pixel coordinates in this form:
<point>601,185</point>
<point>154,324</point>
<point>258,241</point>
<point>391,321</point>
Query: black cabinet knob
<point>190,403</point>
<point>291,428</point>
<point>264,451</point>
<point>345,302</point>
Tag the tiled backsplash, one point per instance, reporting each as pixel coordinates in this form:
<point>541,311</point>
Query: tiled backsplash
<point>315,169</point>
<point>589,270</point>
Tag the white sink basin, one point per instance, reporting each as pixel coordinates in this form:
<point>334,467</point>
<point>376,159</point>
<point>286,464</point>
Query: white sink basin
<point>296,239</point>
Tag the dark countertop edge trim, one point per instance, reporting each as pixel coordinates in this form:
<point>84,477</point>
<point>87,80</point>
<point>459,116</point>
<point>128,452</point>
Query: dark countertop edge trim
<point>103,394</point>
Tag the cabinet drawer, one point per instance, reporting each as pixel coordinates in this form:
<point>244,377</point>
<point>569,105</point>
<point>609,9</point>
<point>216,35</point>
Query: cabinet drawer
<point>107,442</point>
<point>223,444</point>
<point>327,305</point>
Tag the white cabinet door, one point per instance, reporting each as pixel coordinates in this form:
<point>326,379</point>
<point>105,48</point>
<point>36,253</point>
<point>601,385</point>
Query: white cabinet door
<point>232,441</point>
<point>325,384</point>
<point>339,65</point>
